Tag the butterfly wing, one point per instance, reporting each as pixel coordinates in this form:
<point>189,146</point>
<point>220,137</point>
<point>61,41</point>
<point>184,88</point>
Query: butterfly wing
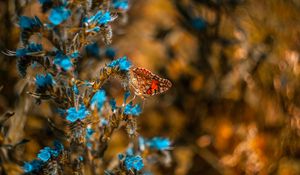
<point>147,83</point>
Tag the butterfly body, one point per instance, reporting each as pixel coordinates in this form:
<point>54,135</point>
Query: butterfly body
<point>153,88</point>
<point>146,83</point>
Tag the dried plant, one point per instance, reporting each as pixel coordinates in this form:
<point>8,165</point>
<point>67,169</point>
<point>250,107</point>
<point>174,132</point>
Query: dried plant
<point>90,116</point>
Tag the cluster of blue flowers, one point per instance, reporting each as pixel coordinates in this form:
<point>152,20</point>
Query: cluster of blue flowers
<point>120,4</point>
<point>98,99</point>
<point>159,143</point>
<point>59,14</point>
<point>131,109</point>
<point>29,49</point>
<point>95,21</point>
<point>131,161</point>
<point>63,61</point>
<point>32,166</point>
<point>93,50</point>
<point>46,153</point>
<point>43,81</point>
<point>27,23</point>
<point>74,114</point>
<point>110,52</point>
<point>122,63</point>
<point>99,18</point>
<point>44,156</point>
<point>134,162</point>
<point>199,23</point>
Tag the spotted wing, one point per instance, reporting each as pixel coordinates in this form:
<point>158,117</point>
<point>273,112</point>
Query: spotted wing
<point>147,83</point>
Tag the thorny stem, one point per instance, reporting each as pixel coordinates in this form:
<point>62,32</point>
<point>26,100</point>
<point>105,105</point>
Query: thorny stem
<point>105,73</point>
<point>103,141</point>
<point>77,147</point>
<point>107,133</point>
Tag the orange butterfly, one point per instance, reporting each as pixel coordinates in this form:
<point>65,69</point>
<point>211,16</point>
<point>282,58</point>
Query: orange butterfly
<point>146,83</point>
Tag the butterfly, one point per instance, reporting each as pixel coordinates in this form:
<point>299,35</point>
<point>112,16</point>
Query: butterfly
<point>146,83</point>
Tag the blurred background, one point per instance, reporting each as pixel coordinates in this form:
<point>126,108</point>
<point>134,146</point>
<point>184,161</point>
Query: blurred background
<point>234,107</point>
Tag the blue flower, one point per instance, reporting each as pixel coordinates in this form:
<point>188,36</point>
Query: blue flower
<point>44,80</point>
<point>132,110</point>
<point>93,50</point>
<point>45,154</point>
<point>134,162</point>
<point>27,167</point>
<point>136,110</point>
<point>89,133</point>
<point>31,48</point>
<point>127,109</point>
<point>110,52</point>
<point>99,18</point>
<point>105,18</point>
<point>198,23</point>
<point>89,145</point>
<point>26,22</point>
<point>63,61</point>
<point>104,122</point>
<point>98,99</point>
<point>75,54</point>
<point>120,4</point>
<point>79,114</point>
<point>58,15</point>
<point>32,166</point>
<point>123,63</point>
<point>159,143</point>
<point>29,23</point>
